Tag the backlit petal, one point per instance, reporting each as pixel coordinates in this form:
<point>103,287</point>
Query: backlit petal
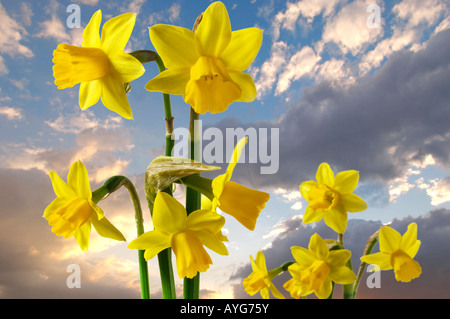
<point>345,182</point>
<point>89,93</point>
<point>409,239</point>
<point>352,203</point>
<point>153,242</point>
<point>116,32</point>
<point>242,49</point>
<point>171,81</point>
<point>325,175</point>
<point>78,179</point>
<point>214,31</point>
<point>177,47</point>
<point>306,187</point>
<point>127,66</point>
<point>114,96</point>
<point>105,229</point>
<point>312,216</point>
<point>342,275</point>
<point>318,246</point>
<point>302,256</point>
<point>82,236</point>
<point>338,258</point>
<point>169,214</point>
<point>91,33</point>
<point>380,259</point>
<point>62,190</point>
<point>246,84</point>
<point>336,219</point>
<point>389,239</point>
<point>201,220</point>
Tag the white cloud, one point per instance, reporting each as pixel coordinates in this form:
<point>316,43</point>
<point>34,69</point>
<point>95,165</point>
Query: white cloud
<point>416,12</point>
<point>134,6</point>
<point>348,29</point>
<point>11,34</point>
<point>303,63</point>
<point>336,72</point>
<point>11,113</point>
<point>438,190</point>
<point>75,123</point>
<point>53,29</point>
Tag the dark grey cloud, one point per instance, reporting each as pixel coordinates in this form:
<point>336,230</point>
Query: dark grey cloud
<point>433,256</point>
<point>380,126</point>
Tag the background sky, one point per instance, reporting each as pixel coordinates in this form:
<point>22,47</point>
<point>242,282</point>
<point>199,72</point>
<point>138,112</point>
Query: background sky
<point>372,99</point>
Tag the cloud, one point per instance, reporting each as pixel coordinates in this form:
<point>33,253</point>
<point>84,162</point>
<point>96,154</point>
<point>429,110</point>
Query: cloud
<point>11,113</point>
<point>433,255</point>
<point>11,36</point>
<point>53,29</point>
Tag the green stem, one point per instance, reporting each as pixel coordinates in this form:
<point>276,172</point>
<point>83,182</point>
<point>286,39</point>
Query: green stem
<point>367,250</point>
<point>191,287</point>
<point>165,256</point>
<point>346,289</point>
<point>110,186</point>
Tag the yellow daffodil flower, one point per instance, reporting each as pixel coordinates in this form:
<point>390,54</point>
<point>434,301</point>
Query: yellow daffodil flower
<point>206,66</point>
<point>241,202</point>
<point>316,267</point>
<point>331,197</point>
<point>73,211</point>
<point>100,65</point>
<point>397,252</point>
<point>260,279</point>
<point>185,234</point>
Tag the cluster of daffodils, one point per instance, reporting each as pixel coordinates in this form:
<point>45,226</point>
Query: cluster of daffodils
<point>326,262</point>
<point>206,67</point>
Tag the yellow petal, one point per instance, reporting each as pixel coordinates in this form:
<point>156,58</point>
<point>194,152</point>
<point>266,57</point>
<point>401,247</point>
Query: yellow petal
<point>312,216</point>
<point>114,97</point>
<point>242,49</point>
<point>212,241</point>
<point>338,258</point>
<point>236,155</point>
<point>318,246</point>
<point>169,215</point>
<point>326,289</point>
<point>89,93</point>
<point>201,220</point>
<point>82,236</point>
<point>389,239</point>
<point>409,240</point>
<point>78,179</point>
<point>352,203</point>
<point>105,229</point>
<point>380,259</point>
<point>177,47</point>
<point>214,31</point>
<point>55,204</point>
<point>346,181</point>
<point>127,66</point>
<point>306,187</point>
<point>246,84</point>
<point>303,256</point>
<point>342,275</point>
<point>62,190</point>
<point>172,81</point>
<point>91,33</point>
<point>336,219</point>
<point>153,242</point>
<point>116,32</point>
<point>261,261</point>
<point>325,175</point>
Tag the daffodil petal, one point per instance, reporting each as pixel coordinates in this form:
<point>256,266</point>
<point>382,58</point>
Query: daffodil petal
<point>246,84</point>
<point>302,256</point>
<point>380,259</point>
<point>200,220</point>
<point>242,49</point>
<point>105,229</point>
<point>172,81</point>
<point>236,155</point>
<point>78,179</point>
<point>261,261</point>
<point>212,242</point>
<point>62,190</point>
<point>318,246</point>
<point>325,175</point>
<point>177,46</point>
<point>55,204</point>
<point>338,257</point>
<point>409,238</point>
<point>153,242</point>
<point>306,187</point>
<point>89,93</point>
<point>312,216</point>
<point>114,97</point>
<point>214,31</point>
<point>275,292</point>
<point>127,66</point>
<point>91,33</point>
<point>336,219</point>
<point>342,275</point>
<point>345,182</point>
<point>352,203</point>
<point>326,289</point>
<point>82,236</point>
<point>389,239</point>
<point>116,32</point>
<point>169,215</point>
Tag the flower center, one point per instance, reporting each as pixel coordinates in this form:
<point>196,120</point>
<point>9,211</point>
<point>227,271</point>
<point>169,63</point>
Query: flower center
<point>255,282</point>
<point>67,219</point>
<point>314,276</point>
<point>210,87</point>
<point>75,65</point>
<point>405,268</point>
<point>323,197</point>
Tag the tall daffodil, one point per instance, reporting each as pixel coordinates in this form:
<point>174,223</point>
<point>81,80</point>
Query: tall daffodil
<point>241,202</point>
<point>206,66</point>
<point>397,252</point>
<point>316,267</point>
<point>100,65</point>
<point>331,197</point>
<point>185,234</point>
<point>73,211</point>
<point>261,279</point>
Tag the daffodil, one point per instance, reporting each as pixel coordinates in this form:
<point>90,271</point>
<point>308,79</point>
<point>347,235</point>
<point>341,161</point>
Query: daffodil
<point>316,268</point>
<point>397,252</point>
<point>261,279</point>
<point>185,234</point>
<point>241,202</point>
<point>331,197</point>
<point>206,66</point>
<point>73,211</point>
<point>100,66</point>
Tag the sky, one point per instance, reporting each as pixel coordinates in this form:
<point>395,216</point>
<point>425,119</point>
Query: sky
<point>361,85</point>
